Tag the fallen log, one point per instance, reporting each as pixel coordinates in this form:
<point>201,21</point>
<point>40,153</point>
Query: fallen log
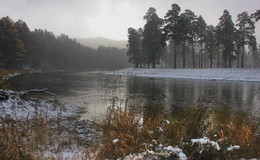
<point>7,94</point>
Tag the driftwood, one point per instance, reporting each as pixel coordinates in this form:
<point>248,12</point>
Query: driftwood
<point>6,94</point>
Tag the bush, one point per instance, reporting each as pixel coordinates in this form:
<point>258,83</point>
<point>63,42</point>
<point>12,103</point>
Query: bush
<point>130,132</point>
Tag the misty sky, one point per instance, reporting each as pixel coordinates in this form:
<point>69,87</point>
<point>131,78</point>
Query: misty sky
<point>112,18</point>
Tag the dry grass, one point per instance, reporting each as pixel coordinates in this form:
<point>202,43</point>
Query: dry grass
<point>21,140</point>
<point>137,129</point>
<point>127,131</point>
<point>32,139</point>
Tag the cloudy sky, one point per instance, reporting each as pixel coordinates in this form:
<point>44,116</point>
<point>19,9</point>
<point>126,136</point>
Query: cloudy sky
<point>112,18</point>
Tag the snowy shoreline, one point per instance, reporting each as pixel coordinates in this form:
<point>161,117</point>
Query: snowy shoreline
<point>230,74</point>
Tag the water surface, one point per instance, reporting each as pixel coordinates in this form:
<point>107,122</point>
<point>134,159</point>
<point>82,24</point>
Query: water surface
<point>94,91</point>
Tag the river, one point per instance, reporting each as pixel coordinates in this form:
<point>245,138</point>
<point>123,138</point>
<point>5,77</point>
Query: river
<point>94,91</point>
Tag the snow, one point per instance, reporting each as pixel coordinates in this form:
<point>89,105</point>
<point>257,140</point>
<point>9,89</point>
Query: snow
<point>14,106</point>
<point>231,148</point>
<point>11,76</point>
<point>230,74</point>
<point>115,140</point>
<point>161,152</point>
<point>179,151</point>
<point>17,108</point>
<point>206,140</point>
<point>167,121</point>
<point>75,153</point>
<point>134,156</point>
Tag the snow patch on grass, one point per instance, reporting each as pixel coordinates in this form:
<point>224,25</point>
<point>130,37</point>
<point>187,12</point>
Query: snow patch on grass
<point>115,140</point>
<point>206,140</point>
<point>231,148</point>
<point>165,152</point>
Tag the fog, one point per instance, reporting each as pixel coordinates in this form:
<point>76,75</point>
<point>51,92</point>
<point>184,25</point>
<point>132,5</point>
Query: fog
<point>111,18</point>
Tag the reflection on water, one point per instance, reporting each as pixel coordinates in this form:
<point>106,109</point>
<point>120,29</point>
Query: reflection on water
<point>94,90</point>
<point>178,93</point>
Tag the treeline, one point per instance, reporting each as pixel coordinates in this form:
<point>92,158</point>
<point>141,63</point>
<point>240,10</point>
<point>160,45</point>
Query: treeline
<point>184,40</point>
<point>40,49</point>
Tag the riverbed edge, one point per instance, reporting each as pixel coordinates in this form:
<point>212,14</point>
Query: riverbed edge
<point>212,74</point>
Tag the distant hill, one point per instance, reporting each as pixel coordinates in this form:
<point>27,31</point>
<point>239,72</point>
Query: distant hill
<point>100,41</point>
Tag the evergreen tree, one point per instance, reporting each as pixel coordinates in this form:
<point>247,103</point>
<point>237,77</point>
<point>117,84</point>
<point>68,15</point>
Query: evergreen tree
<point>172,28</point>
<point>152,37</point>
<point>193,37</point>
<point>199,27</point>
<point>135,47</point>
<point>12,47</point>
<point>185,22</point>
<point>256,15</point>
<point>246,28</point>
<point>252,45</point>
<point>210,44</point>
<point>41,49</point>
<point>225,31</point>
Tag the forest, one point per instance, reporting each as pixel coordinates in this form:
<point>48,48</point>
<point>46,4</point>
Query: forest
<point>41,50</point>
<point>184,40</point>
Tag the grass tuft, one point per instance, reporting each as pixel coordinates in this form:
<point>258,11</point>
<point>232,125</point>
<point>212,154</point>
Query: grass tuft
<point>128,132</point>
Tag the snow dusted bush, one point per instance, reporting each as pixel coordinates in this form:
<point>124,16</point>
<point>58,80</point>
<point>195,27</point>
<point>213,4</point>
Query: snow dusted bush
<point>225,136</point>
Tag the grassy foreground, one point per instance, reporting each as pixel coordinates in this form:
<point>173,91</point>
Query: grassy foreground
<point>131,134</point>
<point>138,132</point>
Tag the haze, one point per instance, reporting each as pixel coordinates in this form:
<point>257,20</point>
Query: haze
<point>112,18</point>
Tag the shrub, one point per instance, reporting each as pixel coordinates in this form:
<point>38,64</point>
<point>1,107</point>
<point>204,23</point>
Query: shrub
<point>130,132</point>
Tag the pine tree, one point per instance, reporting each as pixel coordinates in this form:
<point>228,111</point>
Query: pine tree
<point>246,28</point>
<point>193,37</point>
<point>225,33</point>
<point>134,47</point>
<point>172,29</point>
<point>256,15</point>
<point>210,44</point>
<point>11,46</point>
<point>199,29</point>
<point>252,45</point>
<point>185,22</point>
<point>152,37</point>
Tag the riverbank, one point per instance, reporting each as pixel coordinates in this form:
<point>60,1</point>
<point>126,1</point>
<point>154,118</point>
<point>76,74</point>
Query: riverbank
<point>42,127</point>
<point>7,73</point>
<point>222,74</point>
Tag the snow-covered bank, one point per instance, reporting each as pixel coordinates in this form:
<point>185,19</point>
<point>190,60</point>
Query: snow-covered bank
<point>14,106</point>
<point>64,124</point>
<point>237,74</point>
<point>6,74</point>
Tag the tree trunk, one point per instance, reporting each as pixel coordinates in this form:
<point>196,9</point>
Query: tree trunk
<point>201,61</point>
<point>238,58</point>
<point>193,55</point>
<point>230,61</point>
<point>175,56</point>
<point>154,64</point>
<point>183,54</point>
<point>242,60</point>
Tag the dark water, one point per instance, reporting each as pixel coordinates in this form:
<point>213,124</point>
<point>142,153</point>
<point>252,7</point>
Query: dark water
<point>94,91</point>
